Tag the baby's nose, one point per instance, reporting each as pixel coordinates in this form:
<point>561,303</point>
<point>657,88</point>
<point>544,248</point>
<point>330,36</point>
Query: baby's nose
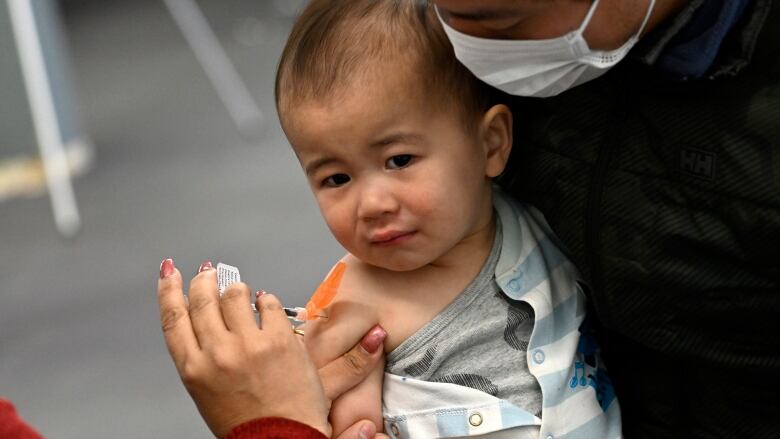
<point>377,201</point>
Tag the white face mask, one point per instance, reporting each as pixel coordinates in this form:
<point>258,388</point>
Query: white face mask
<point>539,68</point>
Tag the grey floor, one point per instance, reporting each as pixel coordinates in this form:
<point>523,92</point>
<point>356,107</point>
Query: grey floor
<point>81,353</point>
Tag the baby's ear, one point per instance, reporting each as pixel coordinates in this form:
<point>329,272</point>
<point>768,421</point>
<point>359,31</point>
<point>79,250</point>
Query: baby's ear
<point>496,137</point>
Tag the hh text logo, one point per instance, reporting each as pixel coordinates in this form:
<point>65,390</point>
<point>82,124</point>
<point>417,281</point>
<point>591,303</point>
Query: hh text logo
<point>697,163</point>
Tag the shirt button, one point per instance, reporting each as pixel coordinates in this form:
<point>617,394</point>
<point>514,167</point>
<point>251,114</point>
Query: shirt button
<point>475,419</point>
<point>514,285</point>
<point>395,430</point>
<point>538,356</point>
<point>549,436</point>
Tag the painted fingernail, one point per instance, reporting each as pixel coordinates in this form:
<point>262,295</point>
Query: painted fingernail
<point>259,293</point>
<point>166,268</point>
<point>373,339</point>
<point>205,266</point>
<point>366,432</point>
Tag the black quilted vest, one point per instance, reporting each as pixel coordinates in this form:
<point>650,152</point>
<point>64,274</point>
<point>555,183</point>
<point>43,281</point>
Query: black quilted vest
<point>667,195</point>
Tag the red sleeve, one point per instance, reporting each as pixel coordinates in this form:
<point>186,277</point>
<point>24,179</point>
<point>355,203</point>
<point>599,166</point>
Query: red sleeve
<point>12,426</point>
<point>273,428</point>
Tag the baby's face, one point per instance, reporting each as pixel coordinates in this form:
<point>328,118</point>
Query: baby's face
<point>400,182</point>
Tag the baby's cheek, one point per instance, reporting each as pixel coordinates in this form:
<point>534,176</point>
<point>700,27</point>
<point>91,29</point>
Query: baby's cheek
<point>424,199</point>
<point>341,225</point>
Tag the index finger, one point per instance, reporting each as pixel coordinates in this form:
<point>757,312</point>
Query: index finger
<point>174,316</point>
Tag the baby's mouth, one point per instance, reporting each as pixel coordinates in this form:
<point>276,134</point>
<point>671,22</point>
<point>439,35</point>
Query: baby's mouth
<point>390,238</point>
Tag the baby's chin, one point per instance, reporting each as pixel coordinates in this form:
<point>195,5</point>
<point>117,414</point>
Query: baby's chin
<point>397,260</point>
<point>399,265</point>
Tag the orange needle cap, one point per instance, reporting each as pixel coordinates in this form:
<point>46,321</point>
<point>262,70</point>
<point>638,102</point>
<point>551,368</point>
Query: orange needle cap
<point>326,291</point>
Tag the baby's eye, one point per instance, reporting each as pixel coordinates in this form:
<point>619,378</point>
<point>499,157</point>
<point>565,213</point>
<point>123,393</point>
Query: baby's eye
<point>336,180</point>
<point>398,161</point>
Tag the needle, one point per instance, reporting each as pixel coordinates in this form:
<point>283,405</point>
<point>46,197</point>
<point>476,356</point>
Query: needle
<point>298,314</point>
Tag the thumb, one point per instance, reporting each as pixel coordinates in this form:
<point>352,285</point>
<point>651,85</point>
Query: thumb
<point>350,369</point>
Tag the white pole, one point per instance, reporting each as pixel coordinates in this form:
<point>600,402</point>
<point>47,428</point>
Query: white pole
<point>220,70</point>
<point>47,128</point>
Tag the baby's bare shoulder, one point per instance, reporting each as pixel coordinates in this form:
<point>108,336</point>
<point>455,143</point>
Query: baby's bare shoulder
<point>359,280</point>
<point>350,315</point>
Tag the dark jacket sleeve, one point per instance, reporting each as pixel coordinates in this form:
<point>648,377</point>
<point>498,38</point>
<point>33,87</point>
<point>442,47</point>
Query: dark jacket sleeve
<point>12,426</point>
<point>273,428</point>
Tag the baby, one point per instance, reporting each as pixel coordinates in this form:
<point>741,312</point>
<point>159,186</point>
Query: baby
<point>484,312</point>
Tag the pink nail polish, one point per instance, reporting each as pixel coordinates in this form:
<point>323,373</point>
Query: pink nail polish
<point>205,266</point>
<point>366,431</point>
<point>259,293</point>
<point>166,268</point>
<point>373,340</point>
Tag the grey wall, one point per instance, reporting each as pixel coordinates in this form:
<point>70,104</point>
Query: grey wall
<point>16,130</point>
<point>81,353</point>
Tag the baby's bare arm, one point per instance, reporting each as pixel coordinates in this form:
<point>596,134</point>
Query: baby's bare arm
<point>363,401</point>
<point>349,318</point>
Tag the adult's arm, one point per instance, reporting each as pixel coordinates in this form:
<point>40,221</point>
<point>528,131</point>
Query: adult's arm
<point>12,426</point>
<point>274,428</point>
<point>280,428</point>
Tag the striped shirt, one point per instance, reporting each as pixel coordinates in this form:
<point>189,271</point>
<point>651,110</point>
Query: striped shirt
<point>578,400</point>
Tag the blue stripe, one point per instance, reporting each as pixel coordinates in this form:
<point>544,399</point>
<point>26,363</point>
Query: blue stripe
<point>535,268</point>
<point>513,416</point>
<point>560,322</point>
<point>452,422</point>
<point>559,386</point>
<point>556,389</point>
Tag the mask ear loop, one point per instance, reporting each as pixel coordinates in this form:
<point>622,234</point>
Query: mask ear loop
<point>647,18</point>
<point>588,17</point>
<point>633,38</point>
<point>592,11</point>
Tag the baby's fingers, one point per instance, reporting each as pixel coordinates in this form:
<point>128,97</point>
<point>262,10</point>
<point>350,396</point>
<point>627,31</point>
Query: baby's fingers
<point>174,316</point>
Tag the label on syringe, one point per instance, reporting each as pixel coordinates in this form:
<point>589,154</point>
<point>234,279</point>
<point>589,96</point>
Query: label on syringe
<point>226,276</point>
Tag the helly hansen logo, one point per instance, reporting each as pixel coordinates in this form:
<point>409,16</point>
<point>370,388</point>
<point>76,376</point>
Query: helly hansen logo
<point>697,163</point>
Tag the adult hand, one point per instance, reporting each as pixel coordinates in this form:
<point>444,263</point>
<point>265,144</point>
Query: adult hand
<point>236,371</point>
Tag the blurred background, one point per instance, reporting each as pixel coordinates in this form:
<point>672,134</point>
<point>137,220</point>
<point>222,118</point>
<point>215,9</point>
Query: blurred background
<point>165,159</point>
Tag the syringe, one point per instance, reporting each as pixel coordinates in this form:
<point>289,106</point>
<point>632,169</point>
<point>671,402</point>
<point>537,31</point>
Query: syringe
<point>228,274</point>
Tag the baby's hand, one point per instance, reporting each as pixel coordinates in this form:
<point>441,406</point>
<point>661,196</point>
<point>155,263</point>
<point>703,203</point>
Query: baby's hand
<point>338,377</point>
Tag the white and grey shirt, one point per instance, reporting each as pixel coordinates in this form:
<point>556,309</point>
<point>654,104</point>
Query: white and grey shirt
<point>479,341</point>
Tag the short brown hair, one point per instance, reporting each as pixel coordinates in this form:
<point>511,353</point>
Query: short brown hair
<point>334,41</point>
